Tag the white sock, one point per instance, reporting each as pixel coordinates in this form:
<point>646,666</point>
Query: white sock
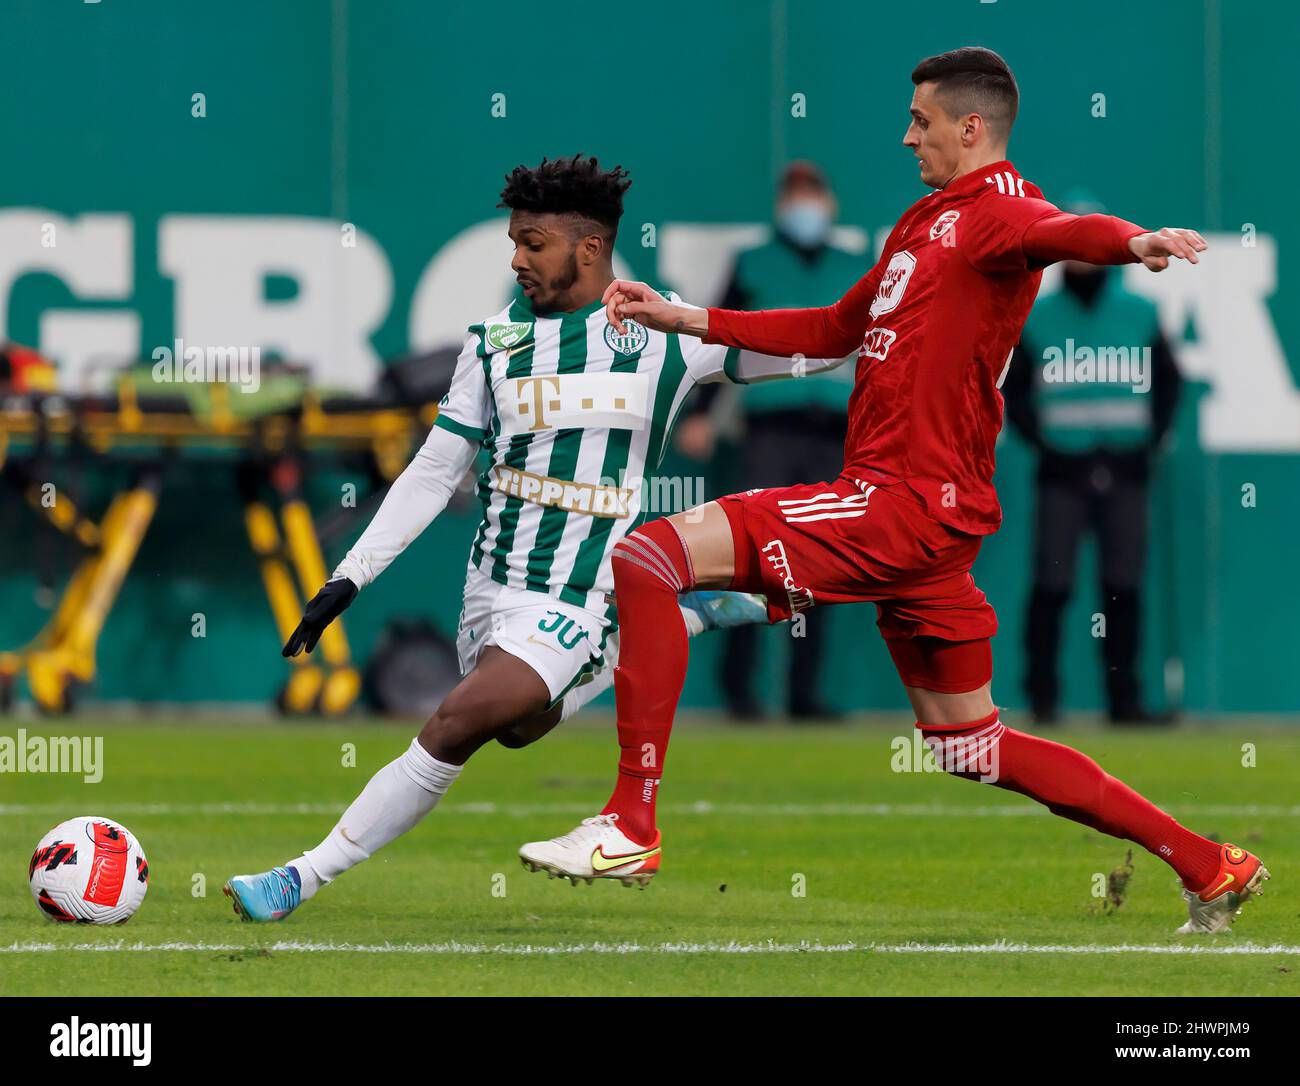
<point>394,800</point>
<point>694,624</point>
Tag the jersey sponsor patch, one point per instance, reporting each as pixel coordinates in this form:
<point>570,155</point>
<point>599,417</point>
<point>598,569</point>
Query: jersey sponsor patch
<point>893,283</point>
<point>592,499</point>
<point>944,223</point>
<point>585,401</point>
<point>877,342</point>
<point>501,337</point>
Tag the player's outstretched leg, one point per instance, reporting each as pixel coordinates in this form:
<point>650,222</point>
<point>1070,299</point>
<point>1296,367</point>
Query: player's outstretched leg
<point>404,791</point>
<point>499,692</point>
<point>652,566</point>
<point>1216,879</point>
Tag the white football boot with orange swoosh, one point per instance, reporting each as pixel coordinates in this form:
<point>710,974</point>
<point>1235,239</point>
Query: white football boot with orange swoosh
<point>1214,906</point>
<point>596,849</point>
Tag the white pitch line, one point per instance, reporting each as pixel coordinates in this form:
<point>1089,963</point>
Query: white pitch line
<point>555,949</point>
<point>703,807</point>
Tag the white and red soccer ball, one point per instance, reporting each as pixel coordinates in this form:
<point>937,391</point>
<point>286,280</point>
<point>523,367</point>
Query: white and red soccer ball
<point>89,871</point>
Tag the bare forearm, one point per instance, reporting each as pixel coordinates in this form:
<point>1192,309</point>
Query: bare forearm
<point>689,320</point>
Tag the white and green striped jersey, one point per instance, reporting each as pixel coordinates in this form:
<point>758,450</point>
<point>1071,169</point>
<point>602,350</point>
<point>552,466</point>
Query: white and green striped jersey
<point>574,418</point>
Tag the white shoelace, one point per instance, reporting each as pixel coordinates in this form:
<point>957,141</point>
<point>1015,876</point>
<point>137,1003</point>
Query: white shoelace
<point>586,829</point>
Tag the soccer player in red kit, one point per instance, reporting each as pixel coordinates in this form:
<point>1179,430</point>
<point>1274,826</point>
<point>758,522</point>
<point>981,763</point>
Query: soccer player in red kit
<point>934,324</point>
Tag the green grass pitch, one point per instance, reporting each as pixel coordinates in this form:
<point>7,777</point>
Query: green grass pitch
<point>796,862</point>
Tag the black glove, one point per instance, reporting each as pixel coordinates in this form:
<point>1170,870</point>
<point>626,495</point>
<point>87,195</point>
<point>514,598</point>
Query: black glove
<point>330,602</point>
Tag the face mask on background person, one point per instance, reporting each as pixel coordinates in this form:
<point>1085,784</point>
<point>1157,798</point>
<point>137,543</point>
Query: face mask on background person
<point>805,222</point>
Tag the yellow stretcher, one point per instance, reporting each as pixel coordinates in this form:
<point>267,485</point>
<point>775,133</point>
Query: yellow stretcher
<point>281,531</point>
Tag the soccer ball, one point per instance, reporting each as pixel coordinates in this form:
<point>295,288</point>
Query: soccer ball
<point>89,871</point>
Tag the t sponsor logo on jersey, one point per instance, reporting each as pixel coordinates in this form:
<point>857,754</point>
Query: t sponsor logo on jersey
<point>893,283</point>
<point>800,598</point>
<point>553,401</point>
<point>634,340</point>
<point>877,342</point>
<point>501,337</point>
<point>944,223</point>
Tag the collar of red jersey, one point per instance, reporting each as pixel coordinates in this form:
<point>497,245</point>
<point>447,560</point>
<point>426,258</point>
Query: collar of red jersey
<point>970,182</point>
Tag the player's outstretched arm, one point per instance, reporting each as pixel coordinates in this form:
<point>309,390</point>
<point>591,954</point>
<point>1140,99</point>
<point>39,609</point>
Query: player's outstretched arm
<point>418,495</point>
<point>1105,239</point>
<point>825,332</point>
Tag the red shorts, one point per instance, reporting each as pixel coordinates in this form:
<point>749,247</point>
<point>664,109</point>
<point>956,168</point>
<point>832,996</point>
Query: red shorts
<point>849,542</point>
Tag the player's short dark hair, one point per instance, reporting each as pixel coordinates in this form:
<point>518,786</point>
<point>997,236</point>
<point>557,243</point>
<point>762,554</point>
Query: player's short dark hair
<point>574,185</point>
<point>973,80</point>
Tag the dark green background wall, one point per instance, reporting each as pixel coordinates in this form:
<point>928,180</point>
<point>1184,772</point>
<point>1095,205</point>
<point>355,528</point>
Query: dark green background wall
<point>380,114</point>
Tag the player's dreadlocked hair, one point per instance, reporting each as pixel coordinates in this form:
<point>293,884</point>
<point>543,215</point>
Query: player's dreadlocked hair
<point>973,80</point>
<point>574,185</point>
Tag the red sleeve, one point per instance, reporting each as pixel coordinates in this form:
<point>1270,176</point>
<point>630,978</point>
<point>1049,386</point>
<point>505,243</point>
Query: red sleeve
<point>1094,239</point>
<point>828,332</point>
<point>1011,233</point>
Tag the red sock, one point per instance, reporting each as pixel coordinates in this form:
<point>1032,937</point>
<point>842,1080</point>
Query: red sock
<point>651,567</point>
<point>1073,786</point>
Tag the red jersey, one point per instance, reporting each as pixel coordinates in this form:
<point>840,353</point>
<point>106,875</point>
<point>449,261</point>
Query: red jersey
<point>935,322</point>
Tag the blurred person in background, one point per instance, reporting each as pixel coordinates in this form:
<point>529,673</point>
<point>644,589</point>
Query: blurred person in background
<point>792,433</point>
<point>1092,387</point>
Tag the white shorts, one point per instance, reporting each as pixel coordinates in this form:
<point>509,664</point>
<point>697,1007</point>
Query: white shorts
<point>566,645</point>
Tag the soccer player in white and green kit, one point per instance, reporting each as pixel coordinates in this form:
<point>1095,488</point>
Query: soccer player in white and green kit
<point>573,417</point>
